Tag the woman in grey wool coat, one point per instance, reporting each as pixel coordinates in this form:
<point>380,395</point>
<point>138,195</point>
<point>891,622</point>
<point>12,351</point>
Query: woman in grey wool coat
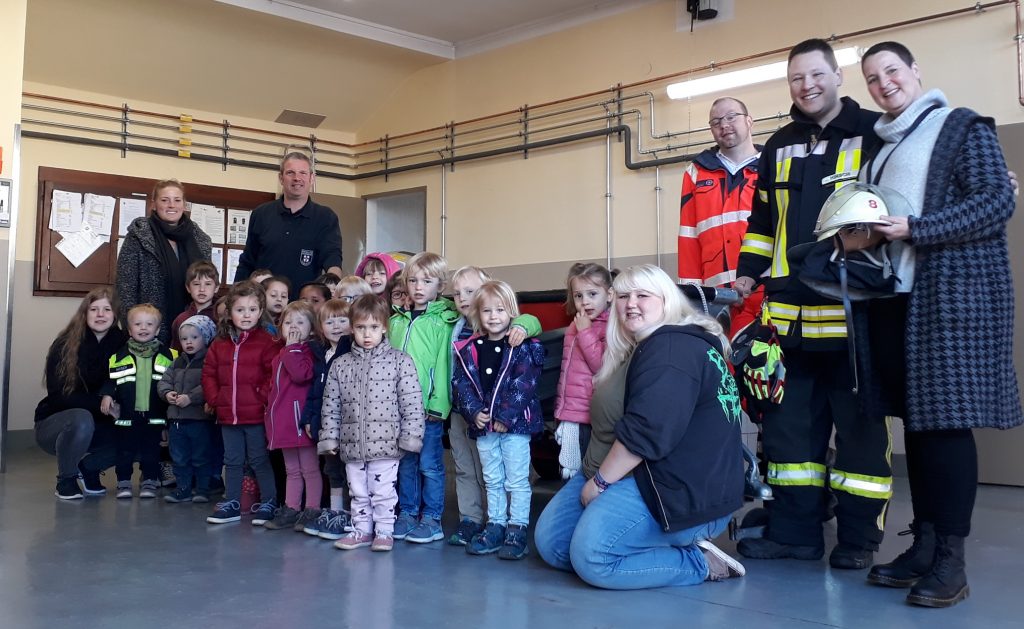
<point>157,251</point>
<point>956,370</point>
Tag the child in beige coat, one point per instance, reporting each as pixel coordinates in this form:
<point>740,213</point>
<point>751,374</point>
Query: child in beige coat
<point>372,414</point>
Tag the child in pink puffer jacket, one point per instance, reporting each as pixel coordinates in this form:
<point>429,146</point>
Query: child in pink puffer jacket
<point>589,296</point>
<point>291,377</point>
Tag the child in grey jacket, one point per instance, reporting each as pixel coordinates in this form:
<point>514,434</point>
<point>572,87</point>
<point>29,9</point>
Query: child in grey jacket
<point>188,422</point>
<point>372,414</point>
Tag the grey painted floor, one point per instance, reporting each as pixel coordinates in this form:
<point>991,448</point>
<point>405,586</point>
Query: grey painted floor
<point>108,563</point>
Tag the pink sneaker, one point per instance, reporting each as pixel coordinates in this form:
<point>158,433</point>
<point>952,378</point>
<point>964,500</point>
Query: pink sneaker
<point>382,543</point>
<point>353,540</point>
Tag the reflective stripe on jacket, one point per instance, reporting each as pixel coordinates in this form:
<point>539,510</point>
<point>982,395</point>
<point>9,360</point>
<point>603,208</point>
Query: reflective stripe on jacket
<point>800,166</point>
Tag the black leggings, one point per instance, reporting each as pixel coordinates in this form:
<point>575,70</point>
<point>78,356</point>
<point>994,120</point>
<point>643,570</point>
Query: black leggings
<point>943,469</point>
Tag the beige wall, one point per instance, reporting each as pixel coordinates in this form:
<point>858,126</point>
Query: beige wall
<point>551,207</point>
<point>535,214</point>
<point>12,56</point>
<point>12,61</point>
<point>38,319</point>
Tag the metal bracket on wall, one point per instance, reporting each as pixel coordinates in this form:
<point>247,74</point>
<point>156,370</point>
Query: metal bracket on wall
<point>526,129</point>
<point>618,107</point>
<point>224,145</point>
<point>124,130</point>
<point>451,144</point>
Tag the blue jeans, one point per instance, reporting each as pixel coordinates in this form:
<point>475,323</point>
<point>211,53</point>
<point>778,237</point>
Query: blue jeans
<point>421,475</point>
<point>189,442</point>
<point>505,461</point>
<point>616,543</point>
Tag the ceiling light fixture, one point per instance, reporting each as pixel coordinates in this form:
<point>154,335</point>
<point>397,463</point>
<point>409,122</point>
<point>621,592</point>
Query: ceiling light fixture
<point>750,76</point>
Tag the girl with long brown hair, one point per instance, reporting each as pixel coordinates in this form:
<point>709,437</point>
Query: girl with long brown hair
<point>68,421</point>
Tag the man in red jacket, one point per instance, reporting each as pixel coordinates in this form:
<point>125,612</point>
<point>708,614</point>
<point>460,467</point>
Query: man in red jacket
<point>718,193</point>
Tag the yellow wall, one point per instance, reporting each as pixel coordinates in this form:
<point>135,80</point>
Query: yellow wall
<point>12,61</point>
<point>38,319</point>
<point>550,207</point>
<point>971,58</point>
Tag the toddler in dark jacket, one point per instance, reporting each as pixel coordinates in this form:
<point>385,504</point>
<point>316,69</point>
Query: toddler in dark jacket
<point>189,424</point>
<point>495,388</point>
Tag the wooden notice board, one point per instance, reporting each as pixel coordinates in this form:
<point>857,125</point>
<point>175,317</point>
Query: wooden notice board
<point>56,276</point>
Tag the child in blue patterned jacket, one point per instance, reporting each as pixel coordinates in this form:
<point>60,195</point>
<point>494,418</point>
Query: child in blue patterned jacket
<point>495,389</point>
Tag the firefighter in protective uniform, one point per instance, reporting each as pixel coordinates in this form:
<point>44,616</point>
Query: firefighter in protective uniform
<point>800,166</point>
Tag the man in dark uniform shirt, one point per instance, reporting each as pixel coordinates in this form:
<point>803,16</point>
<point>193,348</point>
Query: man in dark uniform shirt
<point>291,235</point>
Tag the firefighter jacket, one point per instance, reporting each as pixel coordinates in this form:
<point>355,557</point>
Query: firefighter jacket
<point>121,385</point>
<point>713,213</point>
<point>800,166</point>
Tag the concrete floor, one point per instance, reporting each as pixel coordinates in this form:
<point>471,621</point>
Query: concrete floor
<point>109,563</point>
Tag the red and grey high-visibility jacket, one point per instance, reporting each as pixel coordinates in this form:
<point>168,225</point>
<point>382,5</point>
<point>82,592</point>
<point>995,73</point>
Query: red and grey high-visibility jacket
<point>800,166</point>
<point>713,211</point>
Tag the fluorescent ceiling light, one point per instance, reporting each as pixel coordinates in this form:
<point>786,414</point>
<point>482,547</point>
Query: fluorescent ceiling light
<point>749,76</point>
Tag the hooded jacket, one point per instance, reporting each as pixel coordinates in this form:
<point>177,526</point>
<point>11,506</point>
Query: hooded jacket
<point>185,376</point>
<point>290,380</point>
<point>513,402</point>
<point>682,417</point>
<point>236,376</point>
<point>713,211</point>
<point>582,355</point>
<point>373,406</point>
<point>390,265</point>
<point>321,367</point>
<point>426,338</point>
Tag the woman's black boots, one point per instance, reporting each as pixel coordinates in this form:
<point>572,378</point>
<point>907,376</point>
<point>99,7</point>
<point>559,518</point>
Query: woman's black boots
<point>946,584</point>
<point>912,564</point>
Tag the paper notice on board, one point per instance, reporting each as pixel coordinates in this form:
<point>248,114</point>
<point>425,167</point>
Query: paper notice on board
<point>66,211</point>
<point>131,209</point>
<point>210,219</point>
<point>98,212</point>
<point>238,227</point>
<point>78,246</point>
<point>217,253</point>
<point>233,256</point>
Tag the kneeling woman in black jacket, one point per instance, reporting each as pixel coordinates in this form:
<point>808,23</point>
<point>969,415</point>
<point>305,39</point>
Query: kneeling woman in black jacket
<point>664,470</point>
<point>68,421</point>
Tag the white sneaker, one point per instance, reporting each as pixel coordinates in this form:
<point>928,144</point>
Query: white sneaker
<point>124,489</point>
<point>149,489</point>
<point>720,565</point>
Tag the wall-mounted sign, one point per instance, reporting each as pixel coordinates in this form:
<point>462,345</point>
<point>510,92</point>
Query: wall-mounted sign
<point>5,202</point>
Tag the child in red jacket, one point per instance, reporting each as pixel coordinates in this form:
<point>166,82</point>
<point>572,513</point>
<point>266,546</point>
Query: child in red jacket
<point>236,380</point>
<point>291,379</point>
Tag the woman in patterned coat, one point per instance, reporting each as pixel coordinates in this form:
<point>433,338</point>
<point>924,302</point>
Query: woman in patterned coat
<point>957,372</point>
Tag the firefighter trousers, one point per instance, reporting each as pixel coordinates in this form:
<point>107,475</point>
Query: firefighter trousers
<point>818,397</point>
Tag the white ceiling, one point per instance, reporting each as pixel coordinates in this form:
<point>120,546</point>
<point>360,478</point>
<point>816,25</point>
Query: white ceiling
<point>446,28</point>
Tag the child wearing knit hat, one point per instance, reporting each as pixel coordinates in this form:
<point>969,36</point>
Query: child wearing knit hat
<point>188,422</point>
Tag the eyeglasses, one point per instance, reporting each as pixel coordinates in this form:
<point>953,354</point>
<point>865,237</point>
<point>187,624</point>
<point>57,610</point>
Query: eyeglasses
<point>729,117</point>
<point>348,298</point>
